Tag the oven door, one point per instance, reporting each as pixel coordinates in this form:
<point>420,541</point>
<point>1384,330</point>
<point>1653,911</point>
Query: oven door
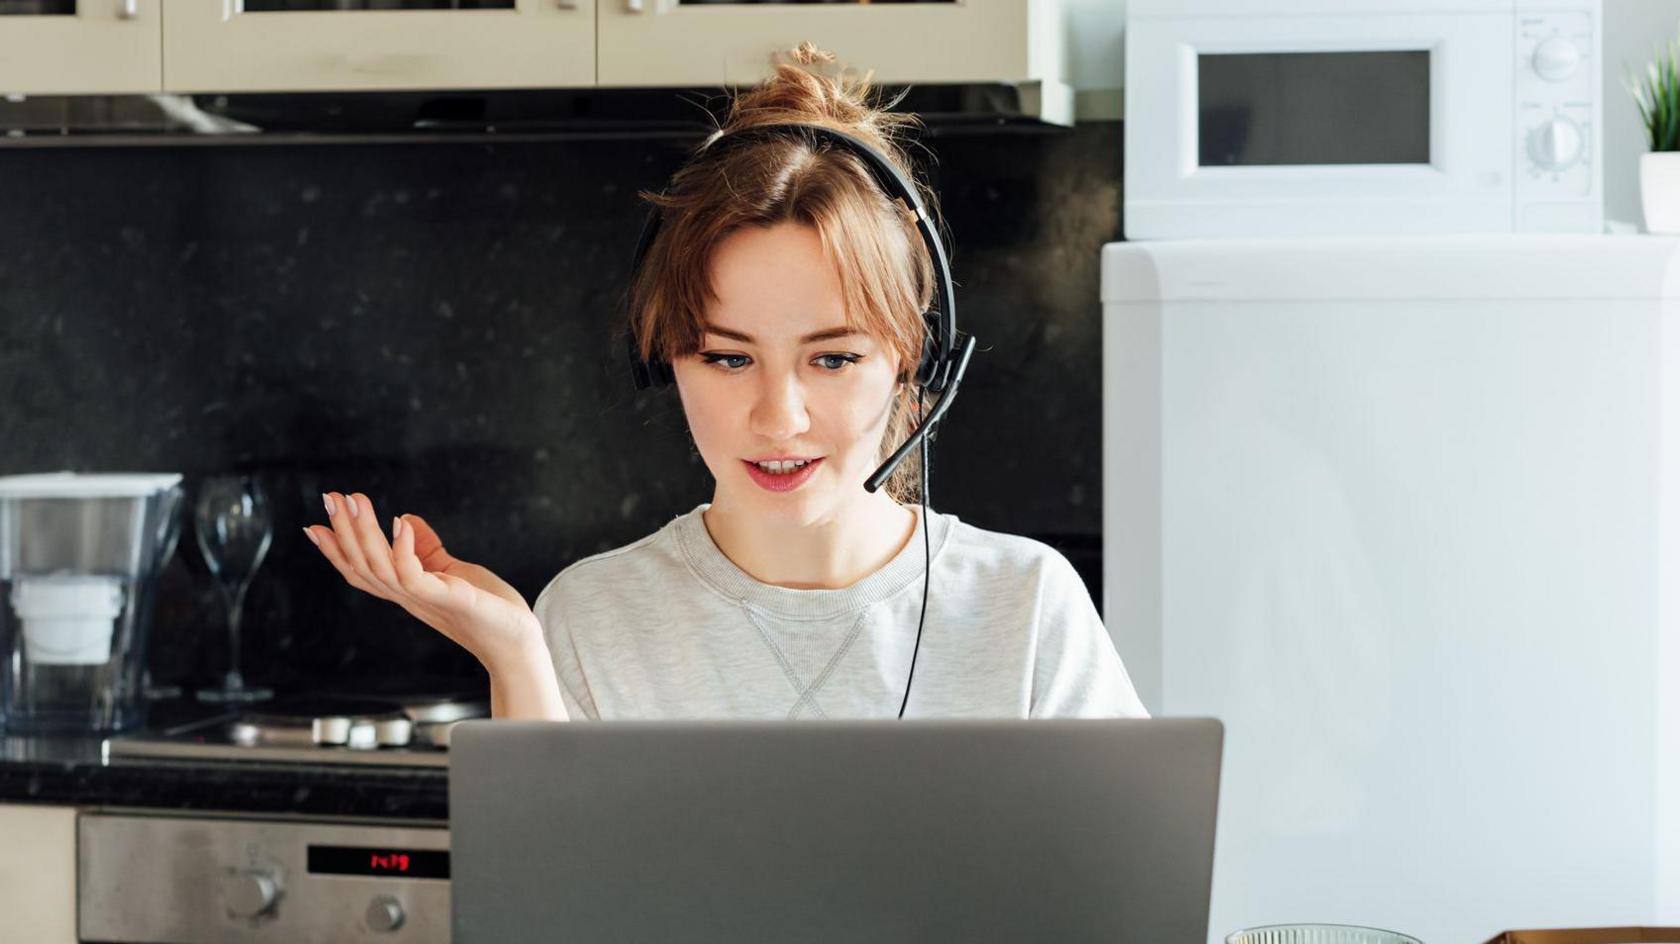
<point>192,879</point>
<point>1275,119</point>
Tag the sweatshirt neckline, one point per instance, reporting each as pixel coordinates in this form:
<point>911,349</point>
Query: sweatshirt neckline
<point>717,569</point>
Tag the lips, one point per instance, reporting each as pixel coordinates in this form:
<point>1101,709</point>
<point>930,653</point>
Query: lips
<point>786,482</point>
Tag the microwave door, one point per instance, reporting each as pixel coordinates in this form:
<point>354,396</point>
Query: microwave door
<point>1313,125</point>
<point>1367,108</point>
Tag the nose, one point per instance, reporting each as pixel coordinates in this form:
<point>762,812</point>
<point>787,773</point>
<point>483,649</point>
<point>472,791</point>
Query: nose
<point>778,410</point>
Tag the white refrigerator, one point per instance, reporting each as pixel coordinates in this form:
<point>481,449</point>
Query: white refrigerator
<point>1403,513</point>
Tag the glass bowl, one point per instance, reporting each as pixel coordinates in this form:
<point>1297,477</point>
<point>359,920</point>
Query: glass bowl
<point>1318,934</point>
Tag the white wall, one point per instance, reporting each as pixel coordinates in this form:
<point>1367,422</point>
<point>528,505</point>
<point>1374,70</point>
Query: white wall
<point>1632,28</point>
<point>1096,60</point>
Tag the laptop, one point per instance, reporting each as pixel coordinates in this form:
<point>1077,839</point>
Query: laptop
<point>827,831</point>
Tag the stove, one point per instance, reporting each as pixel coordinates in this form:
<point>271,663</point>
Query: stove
<point>314,728</point>
<point>154,878</point>
<point>190,877</point>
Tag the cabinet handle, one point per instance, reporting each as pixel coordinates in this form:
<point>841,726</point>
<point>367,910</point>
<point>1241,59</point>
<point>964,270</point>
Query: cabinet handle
<point>128,9</point>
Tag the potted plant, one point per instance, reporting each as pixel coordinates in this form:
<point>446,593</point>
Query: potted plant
<point>1658,97</point>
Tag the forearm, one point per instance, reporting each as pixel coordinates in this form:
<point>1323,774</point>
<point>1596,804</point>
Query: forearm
<point>523,685</point>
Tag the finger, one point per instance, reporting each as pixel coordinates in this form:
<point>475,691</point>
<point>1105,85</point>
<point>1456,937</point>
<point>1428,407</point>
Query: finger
<point>338,518</point>
<point>411,573</point>
<point>327,541</point>
<point>344,520</point>
<point>427,545</point>
<point>375,549</point>
<point>431,598</point>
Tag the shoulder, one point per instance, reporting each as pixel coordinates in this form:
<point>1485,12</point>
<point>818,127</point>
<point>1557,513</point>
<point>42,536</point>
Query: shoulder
<point>630,569</point>
<point>1009,579</point>
<point>999,555</point>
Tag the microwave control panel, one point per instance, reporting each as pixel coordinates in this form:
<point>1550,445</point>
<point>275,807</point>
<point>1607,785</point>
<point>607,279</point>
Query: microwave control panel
<point>1557,175</point>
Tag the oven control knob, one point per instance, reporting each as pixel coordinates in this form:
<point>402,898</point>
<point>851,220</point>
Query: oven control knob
<point>1557,59</point>
<point>1555,144</point>
<point>250,894</point>
<point>385,914</point>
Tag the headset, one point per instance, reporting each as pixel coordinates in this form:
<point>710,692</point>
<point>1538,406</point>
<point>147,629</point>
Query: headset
<point>945,351</point>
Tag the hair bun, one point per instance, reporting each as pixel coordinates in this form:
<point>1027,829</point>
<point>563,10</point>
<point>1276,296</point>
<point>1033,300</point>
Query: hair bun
<point>807,53</point>
<point>808,87</point>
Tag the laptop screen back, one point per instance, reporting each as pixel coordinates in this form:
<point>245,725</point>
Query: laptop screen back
<point>819,831</point>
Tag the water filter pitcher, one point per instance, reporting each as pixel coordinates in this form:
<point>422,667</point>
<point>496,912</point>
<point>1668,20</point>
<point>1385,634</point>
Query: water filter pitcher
<point>79,558</point>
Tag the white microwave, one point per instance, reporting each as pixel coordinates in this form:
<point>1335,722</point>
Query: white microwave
<point>1330,117</point>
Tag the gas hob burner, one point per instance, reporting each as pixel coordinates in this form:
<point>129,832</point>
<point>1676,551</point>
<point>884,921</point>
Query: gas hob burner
<point>319,728</point>
<point>359,723</point>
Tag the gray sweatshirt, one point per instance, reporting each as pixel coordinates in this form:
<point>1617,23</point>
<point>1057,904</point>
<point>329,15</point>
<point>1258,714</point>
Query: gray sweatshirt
<point>670,628</point>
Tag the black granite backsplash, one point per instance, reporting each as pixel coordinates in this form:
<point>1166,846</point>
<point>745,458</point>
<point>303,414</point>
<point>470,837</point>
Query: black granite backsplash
<point>433,324</point>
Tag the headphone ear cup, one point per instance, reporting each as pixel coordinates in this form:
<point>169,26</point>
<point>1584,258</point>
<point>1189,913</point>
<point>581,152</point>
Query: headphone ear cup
<point>925,368</point>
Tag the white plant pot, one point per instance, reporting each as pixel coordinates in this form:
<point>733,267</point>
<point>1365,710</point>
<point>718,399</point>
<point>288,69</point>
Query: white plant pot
<point>1659,190</point>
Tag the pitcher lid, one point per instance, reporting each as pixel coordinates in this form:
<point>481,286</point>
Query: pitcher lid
<point>88,485</point>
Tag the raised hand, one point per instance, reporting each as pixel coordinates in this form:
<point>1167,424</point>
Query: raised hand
<point>466,602</point>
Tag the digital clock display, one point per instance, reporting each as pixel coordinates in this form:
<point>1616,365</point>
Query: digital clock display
<point>378,860</point>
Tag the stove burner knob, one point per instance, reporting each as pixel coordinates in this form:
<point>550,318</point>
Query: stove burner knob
<point>385,914</point>
<point>250,894</point>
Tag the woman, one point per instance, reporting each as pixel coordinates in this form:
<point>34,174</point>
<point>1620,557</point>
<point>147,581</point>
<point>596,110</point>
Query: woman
<point>785,290</point>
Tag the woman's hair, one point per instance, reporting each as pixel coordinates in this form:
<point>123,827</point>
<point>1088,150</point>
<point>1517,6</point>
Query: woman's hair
<point>884,270</point>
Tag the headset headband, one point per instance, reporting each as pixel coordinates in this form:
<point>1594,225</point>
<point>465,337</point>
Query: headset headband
<point>934,370</point>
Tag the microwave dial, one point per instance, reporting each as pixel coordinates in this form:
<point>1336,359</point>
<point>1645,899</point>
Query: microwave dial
<point>1555,144</point>
<point>1556,59</point>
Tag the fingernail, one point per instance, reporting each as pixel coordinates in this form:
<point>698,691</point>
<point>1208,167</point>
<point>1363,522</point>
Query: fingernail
<point>396,527</point>
<point>350,500</point>
<point>327,500</point>
<point>311,536</point>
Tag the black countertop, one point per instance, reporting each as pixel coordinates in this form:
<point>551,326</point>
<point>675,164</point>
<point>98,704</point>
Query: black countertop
<point>75,771</point>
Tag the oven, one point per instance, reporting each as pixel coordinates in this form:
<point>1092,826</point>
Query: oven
<point>231,875</point>
<point>145,877</point>
<point>1347,117</point>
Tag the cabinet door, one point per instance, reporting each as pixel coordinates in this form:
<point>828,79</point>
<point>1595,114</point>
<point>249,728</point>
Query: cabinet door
<point>319,45</point>
<point>38,874</point>
<point>80,47</point>
<point>730,42</point>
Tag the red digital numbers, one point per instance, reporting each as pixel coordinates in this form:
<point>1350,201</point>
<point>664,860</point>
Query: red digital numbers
<point>388,862</point>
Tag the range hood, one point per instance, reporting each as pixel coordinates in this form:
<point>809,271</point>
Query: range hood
<point>533,114</point>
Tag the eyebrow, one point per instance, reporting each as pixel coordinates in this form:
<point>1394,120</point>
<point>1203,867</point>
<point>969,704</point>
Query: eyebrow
<point>827,334</point>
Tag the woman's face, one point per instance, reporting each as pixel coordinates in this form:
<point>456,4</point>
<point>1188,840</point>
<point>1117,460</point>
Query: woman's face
<point>778,375</point>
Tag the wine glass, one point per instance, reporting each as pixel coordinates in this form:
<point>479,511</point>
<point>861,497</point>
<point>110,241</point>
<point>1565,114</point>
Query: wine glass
<point>234,528</point>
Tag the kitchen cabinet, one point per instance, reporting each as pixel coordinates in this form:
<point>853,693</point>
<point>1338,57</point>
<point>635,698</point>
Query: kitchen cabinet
<point>368,45</point>
<point>81,47</point>
<point>203,46</point>
<point>656,43</point>
<point>38,873</point>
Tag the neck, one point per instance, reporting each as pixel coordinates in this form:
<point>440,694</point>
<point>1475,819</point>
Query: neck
<point>830,553</point>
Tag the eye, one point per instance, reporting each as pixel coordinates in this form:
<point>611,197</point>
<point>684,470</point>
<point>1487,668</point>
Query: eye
<point>720,358</point>
<point>827,360</point>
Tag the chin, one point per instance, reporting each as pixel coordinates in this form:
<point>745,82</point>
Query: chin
<point>805,506</point>
<point>812,504</point>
